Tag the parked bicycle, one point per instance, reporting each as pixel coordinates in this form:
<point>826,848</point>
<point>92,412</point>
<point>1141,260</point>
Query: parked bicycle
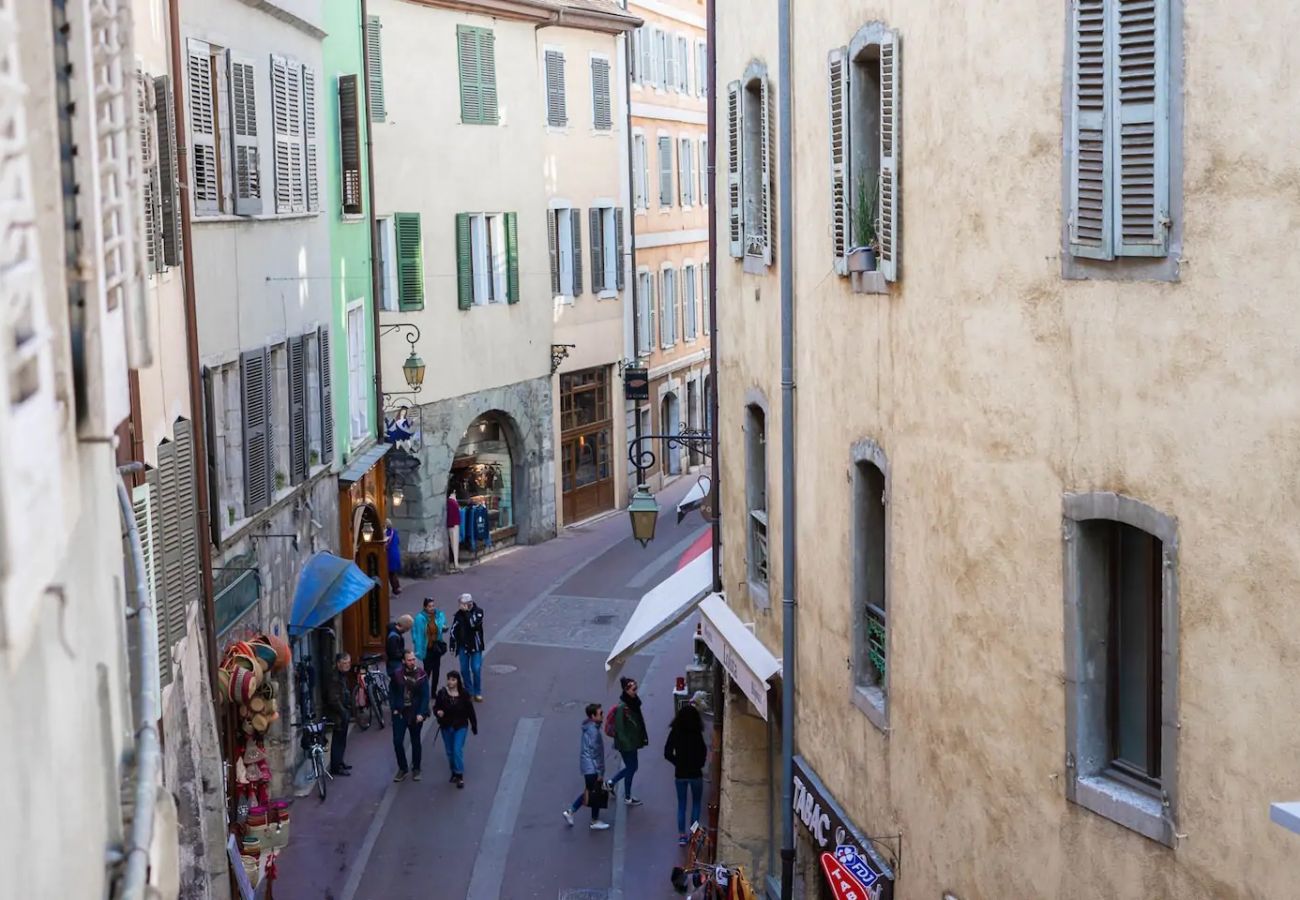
<point>372,691</point>
<point>313,741</point>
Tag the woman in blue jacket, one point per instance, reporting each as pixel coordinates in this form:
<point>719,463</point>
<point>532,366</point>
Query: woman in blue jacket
<point>591,760</point>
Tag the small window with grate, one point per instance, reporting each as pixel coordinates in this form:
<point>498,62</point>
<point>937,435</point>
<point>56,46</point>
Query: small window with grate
<point>870,560</point>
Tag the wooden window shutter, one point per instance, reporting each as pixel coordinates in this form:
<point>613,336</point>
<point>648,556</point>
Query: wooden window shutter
<point>255,386</point>
<point>838,66</point>
<point>512,258</point>
<point>670,61</point>
<point>168,180</point>
<point>647,55</point>
<point>297,411</point>
<point>601,113</point>
<point>350,145</point>
<point>150,199</point>
<point>187,515</point>
<point>704,172</point>
<point>596,229</point>
<point>144,510</point>
<point>487,65</point>
<point>410,260</point>
<point>1090,176</point>
<point>247,189</point>
<point>683,181</point>
<point>639,177</point>
<point>665,171</point>
<point>575,232</point>
<point>464,262</point>
<point>652,307</point>
<point>311,138</point>
<point>214,472</point>
<point>764,224</point>
<point>553,242</point>
<point>286,109</point>
<point>735,115</point>
<point>375,70</point>
<point>169,569</point>
<point>1139,54</point>
<point>556,108</point>
<point>890,120</point>
<point>471,95</point>
<point>326,369</point>
<point>618,248</point>
<point>204,187</point>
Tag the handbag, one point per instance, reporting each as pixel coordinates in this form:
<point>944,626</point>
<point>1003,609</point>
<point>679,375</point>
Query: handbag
<point>440,647</point>
<point>598,798</point>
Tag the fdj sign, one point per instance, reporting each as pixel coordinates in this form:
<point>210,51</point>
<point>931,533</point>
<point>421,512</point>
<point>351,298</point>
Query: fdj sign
<point>851,872</point>
<point>843,882</point>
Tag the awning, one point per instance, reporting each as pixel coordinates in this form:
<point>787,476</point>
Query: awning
<point>327,586</point>
<point>749,663</point>
<point>362,463</point>
<point>694,498</point>
<point>671,601</point>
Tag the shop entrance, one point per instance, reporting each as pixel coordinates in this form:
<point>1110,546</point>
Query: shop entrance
<point>482,478</point>
<point>670,412</point>
<point>586,470</point>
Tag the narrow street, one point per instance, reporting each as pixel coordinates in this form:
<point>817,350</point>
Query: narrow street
<point>553,612</point>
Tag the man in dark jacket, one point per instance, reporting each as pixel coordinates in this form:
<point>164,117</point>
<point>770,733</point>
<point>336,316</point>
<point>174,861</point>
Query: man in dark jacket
<point>395,645</point>
<point>409,698</point>
<point>338,706</point>
<point>467,643</point>
<point>629,737</point>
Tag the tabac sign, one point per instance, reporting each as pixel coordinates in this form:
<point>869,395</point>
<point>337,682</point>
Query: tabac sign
<point>853,871</point>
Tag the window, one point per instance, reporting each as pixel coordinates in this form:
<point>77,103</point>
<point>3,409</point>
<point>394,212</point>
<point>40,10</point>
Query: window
<point>409,247</point>
<point>864,134</point>
<point>556,109</point>
<point>665,171</point>
<point>640,173</point>
<point>686,171</point>
<point>487,259</point>
<point>662,64</point>
<point>297,152</point>
<point>704,292</point>
<point>225,402</point>
<point>868,553</point>
<point>704,172</point>
<point>375,66</point>
<point>357,393</point>
<point>1122,661</point>
<point>605,232</point>
<point>683,65</point>
<point>701,68</point>
<point>350,145</point>
<point>749,170</point>
<point>565,226</point>
<point>312,380</point>
<point>636,70</point>
<point>668,307</point>
<point>756,500</point>
<point>601,115</point>
<point>227,171</point>
<point>669,53</point>
<point>278,417</point>
<point>256,386</point>
<point>477,64</point>
<point>645,313</point>
<point>1118,136</point>
<point>388,290</point>
<point>645,55</point>
<point>691,316</point>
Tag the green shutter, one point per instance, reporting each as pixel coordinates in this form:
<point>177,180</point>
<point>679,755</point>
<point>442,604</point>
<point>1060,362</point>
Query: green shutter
<point>512,259</point>
<point>476,53</point>
<point>410,261</point>
<point>464,263</point>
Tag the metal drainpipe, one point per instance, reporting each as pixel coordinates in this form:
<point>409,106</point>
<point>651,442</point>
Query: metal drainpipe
<point>148,748</point>
<point>785,212</point>
<point>711,64</point>
<point>631,234</point>
<point>376,262</point>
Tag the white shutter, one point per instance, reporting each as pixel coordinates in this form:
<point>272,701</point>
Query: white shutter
<point>839,99</point>
<point>768,169</point>
<point>286,115</point>
<point>646,49</point>
<point>203,135</point>
<point>735,119</point>
<point>888,230</point>
<point>665,171</point>
<point>1090,178</point>
<point>1139,54</point>
<point>670,61</point>
<point>150,194</point>
<point>311,139</point>
<point>243,130</point>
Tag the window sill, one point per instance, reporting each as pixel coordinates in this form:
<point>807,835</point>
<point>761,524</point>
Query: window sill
<point>872,702</point>
<point>759,596</point>
<point>754,265</point>
<point>353,218</point>
<point>869,282</point>
<point>226,218</point>
<point>607,295</point>
<point>1124,805</point>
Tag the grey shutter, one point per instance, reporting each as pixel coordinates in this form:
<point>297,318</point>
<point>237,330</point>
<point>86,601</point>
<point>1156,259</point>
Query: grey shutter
<point>618,248</point>
<point>168,182</point>
<point>375,70</point>
<point>838,65</point>
<point>647,55</point>
<point>887,229</point>
<point>556,110</point>
<point>243,130</point>
<point>575,231</point>
<point>1090,182</point>
<point>144,508</point>
<point>665,171</point>
<point>214,474</point>
<point>597,241</point>
<point>310,138</point>
<point>350,145</point>
<point>186,515</point>
<point>765,156</point>
<point>734,121</point>
<point>168,549</point>
<point>287,116</point>
<point>1140,134</point>
<point>553,242</point>
<point>255,384</point>
<point>149,190</point>
<point>326,369</point>
<point>601,115</point>
<point>297,410</point>
<point>204,188</point>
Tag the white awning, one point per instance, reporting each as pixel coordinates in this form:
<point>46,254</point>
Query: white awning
<point>749,663</point>
<point>1287,815</point>
<point>671,601</point>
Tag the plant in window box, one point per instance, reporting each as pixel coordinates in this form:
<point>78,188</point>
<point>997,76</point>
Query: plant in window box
<point>314,456</point>
<point>280,481</point>
<point>866,241</point>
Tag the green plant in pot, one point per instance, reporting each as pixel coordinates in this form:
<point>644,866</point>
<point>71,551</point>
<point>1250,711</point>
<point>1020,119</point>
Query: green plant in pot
<point>866,242</point>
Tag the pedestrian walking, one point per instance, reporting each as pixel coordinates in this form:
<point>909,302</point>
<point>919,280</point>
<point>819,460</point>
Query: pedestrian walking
<point>456,718</point>
<point>427,641</point>
<point>686,750</point>
<point>409,697</point>
<point>394,543</point>
<point>591,760</point>
<point>395,644</point>
<point>467,643</point>
<point>338,706</point>
<point>629,737</point>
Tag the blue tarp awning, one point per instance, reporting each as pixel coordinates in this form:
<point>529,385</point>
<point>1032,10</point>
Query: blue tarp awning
<point>328,585</point>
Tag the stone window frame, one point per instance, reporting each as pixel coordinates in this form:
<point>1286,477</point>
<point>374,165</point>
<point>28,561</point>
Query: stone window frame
<point>759,591</point>
<point>871,699</point>
<point>1087,782</point>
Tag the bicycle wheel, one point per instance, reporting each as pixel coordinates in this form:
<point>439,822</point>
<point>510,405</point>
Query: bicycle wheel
<point>363,715</point>
<point>379,700</point>
<point>318,763</point>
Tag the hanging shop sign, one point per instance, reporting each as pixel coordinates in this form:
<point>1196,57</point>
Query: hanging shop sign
<point>636,384</point>
<point>852,867</point>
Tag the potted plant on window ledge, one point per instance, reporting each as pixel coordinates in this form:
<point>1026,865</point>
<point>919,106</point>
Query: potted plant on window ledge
<point>862,255</point>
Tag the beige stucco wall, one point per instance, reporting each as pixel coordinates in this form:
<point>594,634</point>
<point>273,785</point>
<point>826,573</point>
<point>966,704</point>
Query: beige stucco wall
<point>994,386</point>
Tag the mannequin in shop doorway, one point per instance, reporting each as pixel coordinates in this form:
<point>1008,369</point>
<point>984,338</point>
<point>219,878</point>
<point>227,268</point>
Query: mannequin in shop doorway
<point>453,529</point>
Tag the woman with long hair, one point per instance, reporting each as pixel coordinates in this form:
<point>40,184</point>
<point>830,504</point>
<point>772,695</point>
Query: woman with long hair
<point>454,711</point>
<point>686,750</point>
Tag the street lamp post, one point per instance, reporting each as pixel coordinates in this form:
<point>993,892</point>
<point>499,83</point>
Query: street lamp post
<point>644,514</point>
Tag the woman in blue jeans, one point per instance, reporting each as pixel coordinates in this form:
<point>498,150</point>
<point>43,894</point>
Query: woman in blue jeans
<point>686,750</point>
<point>454,711</point>
<point>629,737</point>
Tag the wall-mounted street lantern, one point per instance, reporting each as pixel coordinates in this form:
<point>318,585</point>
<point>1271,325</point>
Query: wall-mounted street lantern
<point>644,513</point>
<point>367,532</point>
<point>644,509</point>
<point>413,369</point>
<point>399,496</point>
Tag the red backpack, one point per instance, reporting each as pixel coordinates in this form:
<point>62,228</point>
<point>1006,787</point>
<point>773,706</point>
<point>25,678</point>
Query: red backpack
<point>609,721</point>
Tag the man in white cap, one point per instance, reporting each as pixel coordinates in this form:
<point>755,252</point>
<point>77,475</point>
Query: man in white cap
<point>467,643</point>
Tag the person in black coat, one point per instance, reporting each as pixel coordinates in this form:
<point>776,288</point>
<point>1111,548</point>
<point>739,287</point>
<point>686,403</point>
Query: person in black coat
<point>455,713</point>
<point>686,750</point>
<point>338,705</point>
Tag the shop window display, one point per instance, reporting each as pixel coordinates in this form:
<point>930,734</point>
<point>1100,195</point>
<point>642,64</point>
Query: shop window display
<point>481,480</point>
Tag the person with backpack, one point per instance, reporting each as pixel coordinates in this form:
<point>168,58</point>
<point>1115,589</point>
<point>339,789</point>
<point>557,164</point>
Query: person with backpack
<point>591,761</point>
<point>626,726</point>
<point>426,639</point>
<point>467,643</point>
<point>686,750</point>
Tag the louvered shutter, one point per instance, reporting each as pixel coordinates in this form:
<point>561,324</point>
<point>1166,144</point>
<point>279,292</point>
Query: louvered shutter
<point>150,200</point>
<point>375,70</point>
<point>144,510</point>
<point>410,260</point>
<point>297,410</point>
<point>601,115</point>
<point>575,233</point>
<point>464,262</point>
<point>247,188</point>
<point>683,182</point>
<point>891,70</point>
<point>512,258</point>
<point>634,56</point>
<point>487,66</point>
<point>350,145</point>
<point>1090,178</point>
<point>214,474</point>
<point>168,550</point>
<point>665,171</point>
<point>735,225</point>
<point>326,369</point>
<point>647,55</point>
<point>670,62</point>
<point>839,97</point>
<point>553,242</point>
<point>639,173</point>
<point>204,188</point>
<point>467,53</point>
<point>286,106</point>
<point>683,65</point>
<point>597,240</point>
<point>653,308</point>
<point>704,172</point>
<point>311,139</point>
<point>255,387</point>
<point>768,170</point>
<point>186,515</point>
<point>1140,146</point>
<point>168,182</point>
<point>556,109</point>
<point>618,248</point>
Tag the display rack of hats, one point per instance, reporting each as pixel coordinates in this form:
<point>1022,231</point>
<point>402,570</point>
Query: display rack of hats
<point>261,823</point>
